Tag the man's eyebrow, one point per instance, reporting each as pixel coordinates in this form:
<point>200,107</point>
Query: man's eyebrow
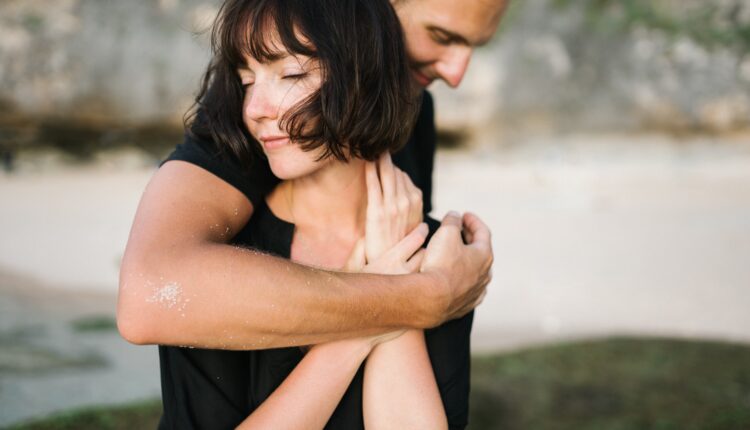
<point>457,38</point>
<point>451,36</point>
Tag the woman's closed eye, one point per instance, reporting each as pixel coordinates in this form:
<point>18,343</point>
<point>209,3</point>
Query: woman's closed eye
<point>295,76</point>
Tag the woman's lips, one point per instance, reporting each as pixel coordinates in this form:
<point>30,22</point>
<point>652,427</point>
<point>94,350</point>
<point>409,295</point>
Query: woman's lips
<point>274,142</point>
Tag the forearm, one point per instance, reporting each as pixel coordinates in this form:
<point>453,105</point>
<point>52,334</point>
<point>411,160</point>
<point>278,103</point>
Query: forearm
<point>310,394</point>
<point>220,296</point>
<point>399,386</point>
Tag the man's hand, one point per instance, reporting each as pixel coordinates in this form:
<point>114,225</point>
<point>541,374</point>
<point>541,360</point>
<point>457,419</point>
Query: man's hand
<point>462,270</point>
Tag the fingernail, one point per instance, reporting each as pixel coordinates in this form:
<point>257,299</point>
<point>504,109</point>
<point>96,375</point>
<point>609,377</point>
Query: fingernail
<point>423,228</point>
<point>454,213</point>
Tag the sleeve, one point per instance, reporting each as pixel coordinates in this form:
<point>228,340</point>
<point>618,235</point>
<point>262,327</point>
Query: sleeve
<point>255,180</point>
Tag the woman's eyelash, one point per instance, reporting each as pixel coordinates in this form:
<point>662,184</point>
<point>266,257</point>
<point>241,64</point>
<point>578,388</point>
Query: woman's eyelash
<point>295,76</point>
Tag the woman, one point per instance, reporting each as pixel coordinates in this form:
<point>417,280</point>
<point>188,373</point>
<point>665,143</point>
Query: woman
<point>323,89</point>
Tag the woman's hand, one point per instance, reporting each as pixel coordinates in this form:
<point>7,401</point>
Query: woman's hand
<point>394,232</point>
<point>394,207</point>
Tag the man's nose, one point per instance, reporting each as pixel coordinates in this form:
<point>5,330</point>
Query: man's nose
<point>260,102</point>
<point>452,67</point>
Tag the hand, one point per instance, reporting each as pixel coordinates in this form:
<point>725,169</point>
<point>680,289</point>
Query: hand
<point>462,270</point>
<point>405,257</point>
<point>394,206</point>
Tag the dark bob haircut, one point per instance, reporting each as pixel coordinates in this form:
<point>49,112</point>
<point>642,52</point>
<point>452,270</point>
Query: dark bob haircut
<point>366,104</point>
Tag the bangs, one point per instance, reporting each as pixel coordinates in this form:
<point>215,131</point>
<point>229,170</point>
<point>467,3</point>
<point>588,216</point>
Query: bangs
<point>263,32</point>
<point>365,104</point>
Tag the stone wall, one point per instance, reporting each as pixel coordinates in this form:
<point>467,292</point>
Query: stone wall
<point>136,61</point>
<point>569,64</point>
<point>584,64</point>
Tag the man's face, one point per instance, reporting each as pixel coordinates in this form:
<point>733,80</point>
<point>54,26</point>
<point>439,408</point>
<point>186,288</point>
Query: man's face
<point>441,35</point>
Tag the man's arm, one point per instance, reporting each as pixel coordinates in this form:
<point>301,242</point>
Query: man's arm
<point>182,284</point>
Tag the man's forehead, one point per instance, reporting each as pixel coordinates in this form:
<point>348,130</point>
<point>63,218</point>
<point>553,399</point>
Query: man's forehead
<point>472,22</point>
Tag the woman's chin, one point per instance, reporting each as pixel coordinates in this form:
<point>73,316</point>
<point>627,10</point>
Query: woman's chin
<point>285,171</point>
<point>287,167</point>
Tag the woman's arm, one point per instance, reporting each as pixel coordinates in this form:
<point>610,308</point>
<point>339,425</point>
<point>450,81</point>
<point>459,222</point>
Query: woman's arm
<point>399,388</point>
<point>309,395</point>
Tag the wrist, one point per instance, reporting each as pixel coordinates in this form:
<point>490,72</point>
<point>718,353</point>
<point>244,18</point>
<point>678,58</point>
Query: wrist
<point>356,349</point>
<point>434,299</point>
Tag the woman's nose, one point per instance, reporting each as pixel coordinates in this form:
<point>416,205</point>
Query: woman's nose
<point>260,102</point>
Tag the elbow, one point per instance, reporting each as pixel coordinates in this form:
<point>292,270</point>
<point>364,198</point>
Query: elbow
<point>132,328</point>
<point>135,322</point>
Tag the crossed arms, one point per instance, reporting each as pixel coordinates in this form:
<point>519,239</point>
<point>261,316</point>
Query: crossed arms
<point>182,284</point>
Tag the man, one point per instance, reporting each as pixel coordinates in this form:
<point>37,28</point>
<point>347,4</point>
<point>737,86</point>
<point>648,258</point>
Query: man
<point>182,283</point>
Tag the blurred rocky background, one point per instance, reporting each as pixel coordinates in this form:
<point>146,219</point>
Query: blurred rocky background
<point>87,74</point>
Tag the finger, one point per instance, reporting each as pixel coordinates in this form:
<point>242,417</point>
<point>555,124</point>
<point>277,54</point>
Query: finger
<point>387,180</point>
<point>356,259</point>
<point>402,203</point>
<point>476,231</point>
<point>414,197</point>
<point>481,297</point>
<point>400,183</point>
<point>411,243</point>
<point>415,262</point>
<point>451,219</point>
<point>414,193</point>
<point>374,192</point>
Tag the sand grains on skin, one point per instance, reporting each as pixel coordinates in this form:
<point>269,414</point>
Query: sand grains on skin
<point>169,296</point>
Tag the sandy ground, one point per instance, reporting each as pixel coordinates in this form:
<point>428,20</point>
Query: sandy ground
<point>593,236</point>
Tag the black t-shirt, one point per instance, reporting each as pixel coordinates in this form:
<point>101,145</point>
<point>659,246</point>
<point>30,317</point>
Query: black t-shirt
<point>217,389</point>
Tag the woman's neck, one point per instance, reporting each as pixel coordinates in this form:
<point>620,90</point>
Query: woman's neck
<point>334,198</point>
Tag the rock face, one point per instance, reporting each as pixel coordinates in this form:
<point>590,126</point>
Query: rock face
<point>622,64</point>
<point>555,64</point>
<point>136,61</point>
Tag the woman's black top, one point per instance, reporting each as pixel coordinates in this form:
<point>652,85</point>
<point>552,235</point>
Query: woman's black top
<point>217,389</point>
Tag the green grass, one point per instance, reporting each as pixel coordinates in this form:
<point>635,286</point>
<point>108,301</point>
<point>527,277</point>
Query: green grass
<point>615,384</point>
<point>94,323</point>
<point>142,415</point>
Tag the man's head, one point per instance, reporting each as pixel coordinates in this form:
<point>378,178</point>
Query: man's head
<point>441,34</point>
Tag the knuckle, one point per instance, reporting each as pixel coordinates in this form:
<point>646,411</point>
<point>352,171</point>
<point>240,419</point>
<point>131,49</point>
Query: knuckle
<point>403,204</point>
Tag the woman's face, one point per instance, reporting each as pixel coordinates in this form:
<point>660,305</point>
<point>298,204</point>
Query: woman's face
<point>271,88</point>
